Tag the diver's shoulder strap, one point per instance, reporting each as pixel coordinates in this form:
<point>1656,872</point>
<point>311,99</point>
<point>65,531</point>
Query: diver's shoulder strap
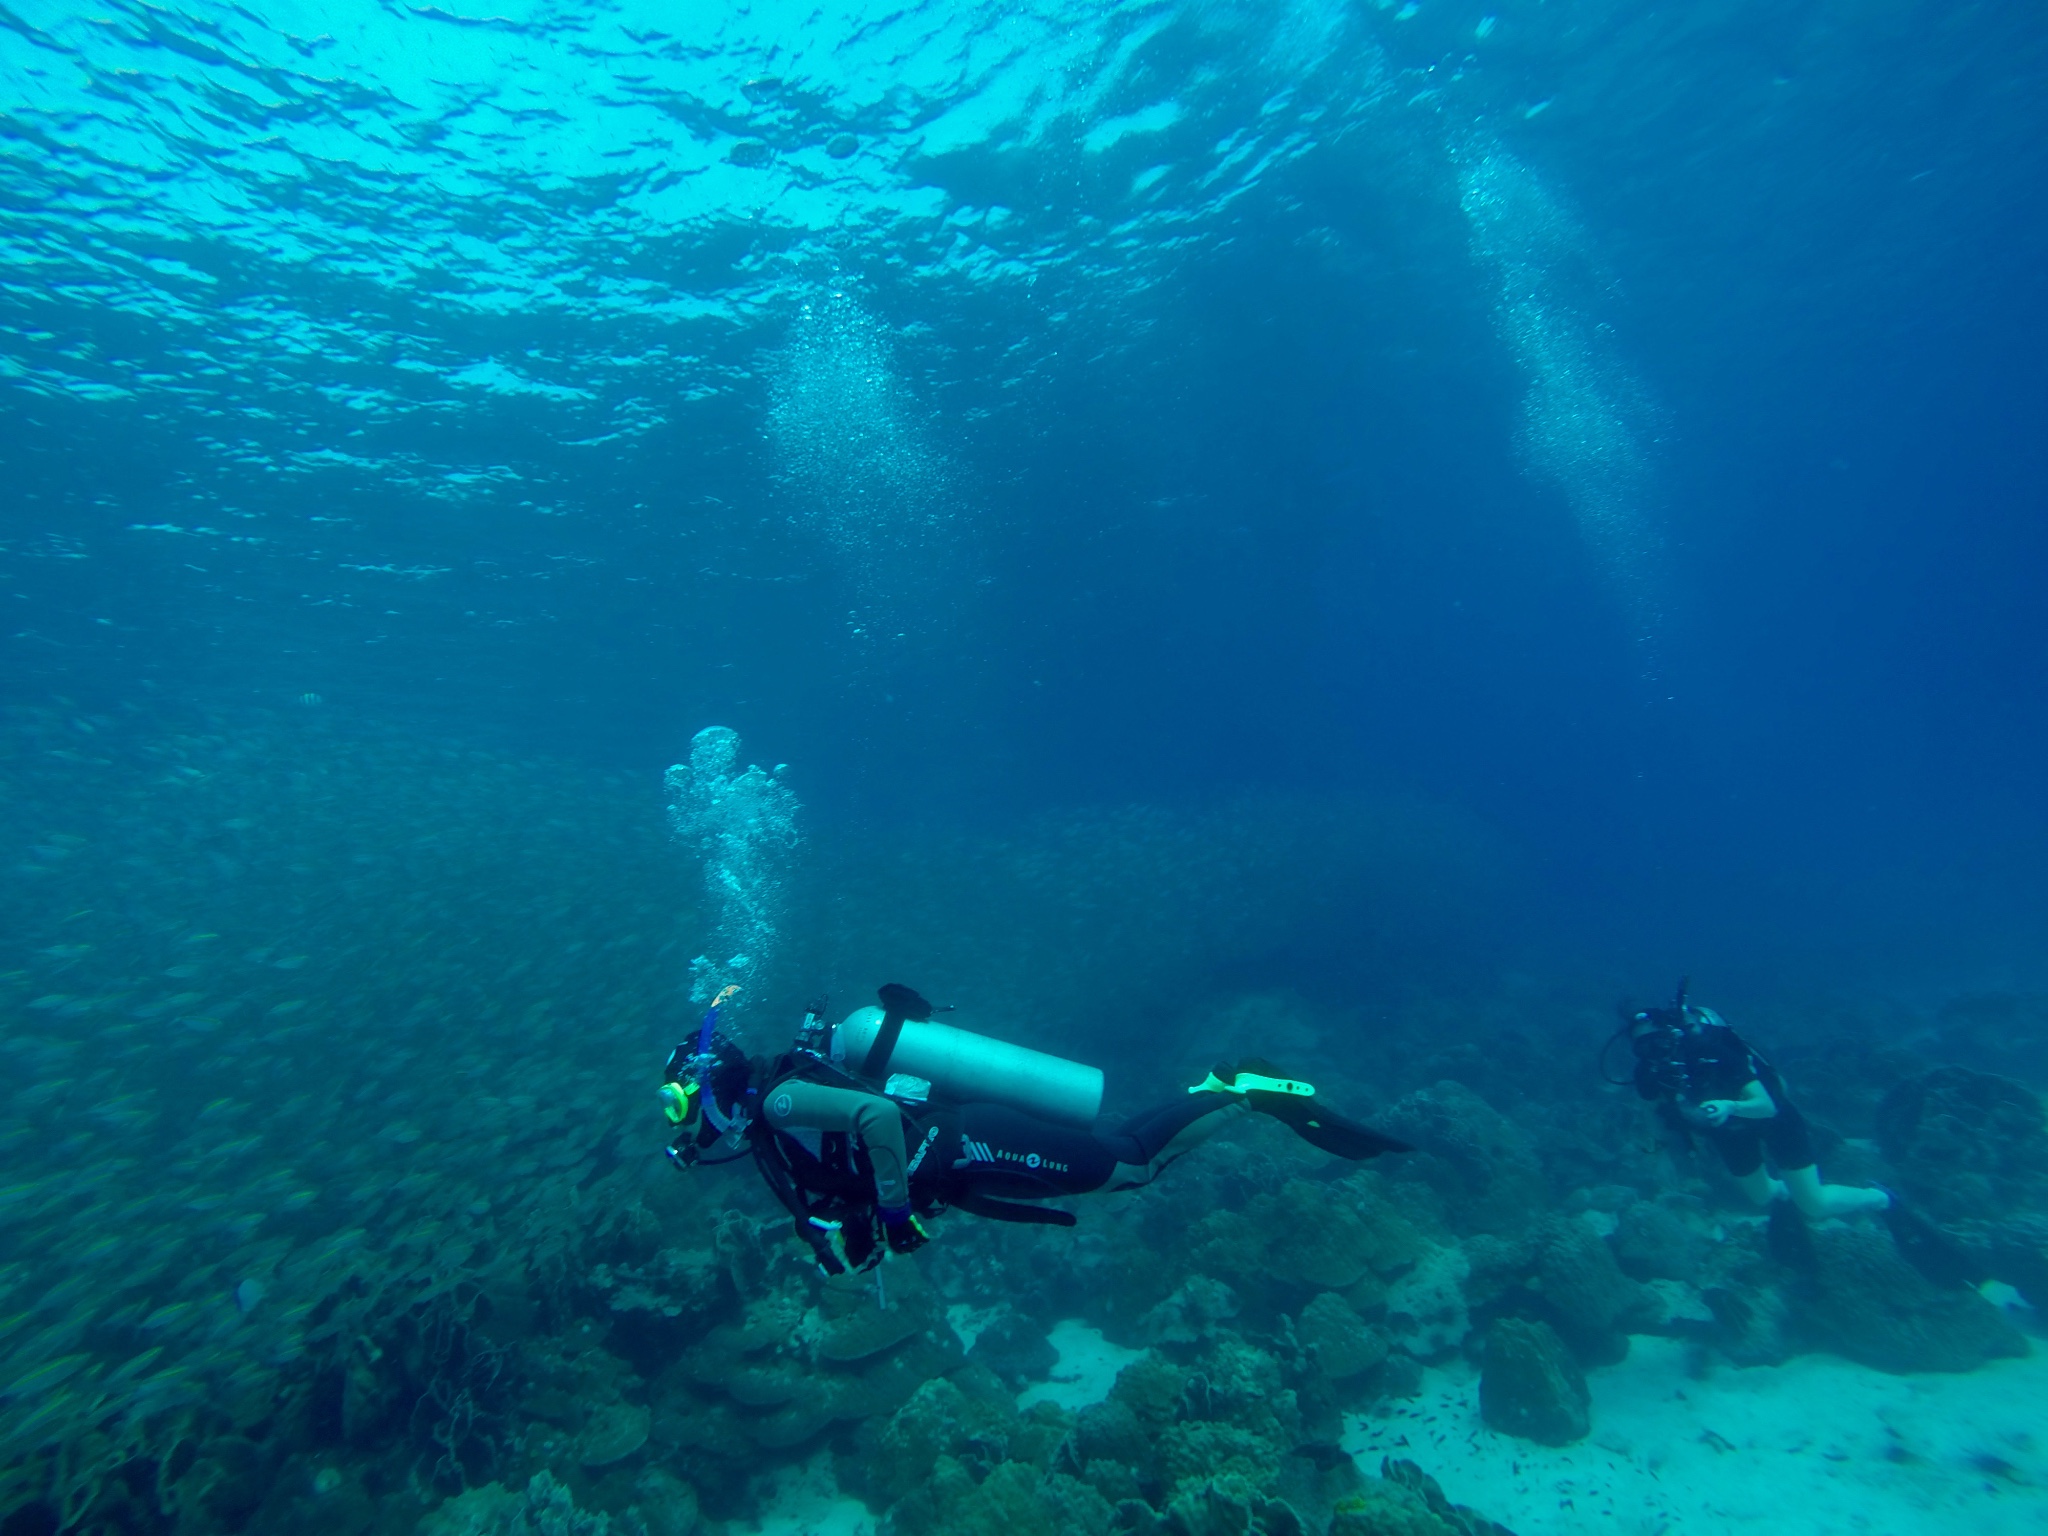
<point>875,1066</point>
<point>805,1067</point>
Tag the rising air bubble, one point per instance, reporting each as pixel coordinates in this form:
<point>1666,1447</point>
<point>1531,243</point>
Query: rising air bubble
<point>1586,420</point>
<point>848,435</point>
<point>743,827</point>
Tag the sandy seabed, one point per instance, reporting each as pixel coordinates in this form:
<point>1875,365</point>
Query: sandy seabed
<point>1817,1445</point>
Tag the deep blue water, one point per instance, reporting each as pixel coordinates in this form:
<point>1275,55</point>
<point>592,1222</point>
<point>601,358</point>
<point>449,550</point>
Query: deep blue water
<point>1531,498</point>
<point>429,362</point>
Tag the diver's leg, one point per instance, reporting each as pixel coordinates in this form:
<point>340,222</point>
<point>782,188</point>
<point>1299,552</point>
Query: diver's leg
<point>1791,1149</point>
<point>1761,1188</point>
<point>1148,1144</point>
<point>1172,1123</point>
<point>1006,1153</point>
<point>1741,1145</point>
<point>1817,1201</point>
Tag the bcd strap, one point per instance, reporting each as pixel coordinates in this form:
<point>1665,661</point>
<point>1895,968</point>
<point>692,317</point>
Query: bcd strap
<point>876,1064</point>
<point>898,1003</point>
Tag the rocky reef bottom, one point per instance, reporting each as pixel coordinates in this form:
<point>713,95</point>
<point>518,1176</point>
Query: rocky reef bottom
<point>1271,1344</point>
<point>1534,1322</point>
<point>1816,1445</point>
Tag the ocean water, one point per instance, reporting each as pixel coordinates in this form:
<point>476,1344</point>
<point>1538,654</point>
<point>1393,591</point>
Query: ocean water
<point>1353,533</point>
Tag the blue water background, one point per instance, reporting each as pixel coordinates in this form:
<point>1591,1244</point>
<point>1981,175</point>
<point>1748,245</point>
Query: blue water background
<point>1359,532</point>
<point>1134,405</point>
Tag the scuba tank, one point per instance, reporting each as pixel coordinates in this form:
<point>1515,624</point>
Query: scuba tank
<point>899,1037</point>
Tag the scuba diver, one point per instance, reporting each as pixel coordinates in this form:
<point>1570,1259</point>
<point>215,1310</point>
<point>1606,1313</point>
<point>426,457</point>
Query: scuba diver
<point>1706,1080</point>
<point>866,1130</point>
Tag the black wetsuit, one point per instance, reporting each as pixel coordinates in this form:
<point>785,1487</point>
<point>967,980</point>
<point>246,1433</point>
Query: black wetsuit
<point>972,1153</point>
<point>978,1157</point>
<point>1713,1062</point>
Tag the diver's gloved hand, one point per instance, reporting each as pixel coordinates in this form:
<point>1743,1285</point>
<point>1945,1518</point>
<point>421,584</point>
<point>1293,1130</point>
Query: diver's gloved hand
<point>828,1245</point>
<point>902,1230</point>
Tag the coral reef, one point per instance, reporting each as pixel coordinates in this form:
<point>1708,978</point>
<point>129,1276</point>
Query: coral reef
<point>1529,1384</point>
<point>1407,1501</point>
<point>1426,1309</point>
<point>2014,1250</point>
<point>1012,1499</point>
<point>1188,1315</point>
<point>1320,1236</point>
<point>1341,1342</point>
<point>1966,1144</point>
<point>1014,1347</point>
<point>1652,1241</point>
<point>1863,1301</point>
<point>1751,1307</point>
<point>793,1366</point>
<point>1593,1305</point>
<point>543,1508</point>
<point>448,1284</point>
<point>1482,1165</point>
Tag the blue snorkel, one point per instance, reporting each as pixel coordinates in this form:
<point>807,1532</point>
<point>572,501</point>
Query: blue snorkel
<point>710,1025</point>
<point>685,1101</point>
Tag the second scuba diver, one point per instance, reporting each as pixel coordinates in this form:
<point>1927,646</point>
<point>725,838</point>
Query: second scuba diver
<point>866,1131</point>
<point>1707,1081</point>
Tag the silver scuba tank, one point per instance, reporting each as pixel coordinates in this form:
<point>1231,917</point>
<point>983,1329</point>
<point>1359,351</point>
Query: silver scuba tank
<point>965,1066</point>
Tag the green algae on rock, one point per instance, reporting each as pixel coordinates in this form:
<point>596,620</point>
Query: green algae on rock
<point>1321,1236</point>
<point>1344,1344</point>
<point>1529,1384</point>
<point>1482,1165</point>
<point>544,1508</point>
<point>868,1332</point>
<point>1013,1499</point>
<point>614,1432</point>
<point>1967,1144</point>
<point>1594,1304</point>
<point>1866,1303</point>
<point>1406,1501</point>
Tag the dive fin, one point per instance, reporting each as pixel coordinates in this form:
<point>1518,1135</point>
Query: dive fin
<point>1319,1128</point>
<point>1265,1089</point>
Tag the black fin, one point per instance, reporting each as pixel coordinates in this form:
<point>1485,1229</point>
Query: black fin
<point>1318,1127</point>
